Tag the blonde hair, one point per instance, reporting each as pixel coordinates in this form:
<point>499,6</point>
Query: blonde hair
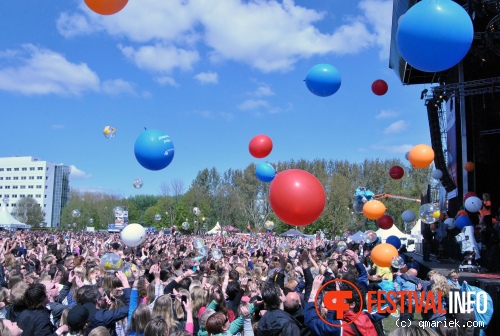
<point>64,316</point>
<point>441,284</point>
<point>179,309</point>
<point>17,293</point>
<point>99,331</point>
<point>163,308</point>
<point>199,299</point>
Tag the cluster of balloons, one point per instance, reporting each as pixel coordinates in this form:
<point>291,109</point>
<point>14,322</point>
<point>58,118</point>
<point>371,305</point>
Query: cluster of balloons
<point>297,197</point>
<point>137,183</point>
<point>154,150</point>
<point>323,80</point>
<point>106,7</point>
<point>75,213</point>
<point>434,36</point>
<point>259,147</point>
<point>109,132</point>
<point>133,235</point>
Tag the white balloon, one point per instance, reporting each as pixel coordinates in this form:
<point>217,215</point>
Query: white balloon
<point>437,174</point>
<point>473,204</point>
<point>133,235</point>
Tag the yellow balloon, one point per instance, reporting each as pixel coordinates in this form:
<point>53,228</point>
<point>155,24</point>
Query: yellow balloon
<point>436,214</point>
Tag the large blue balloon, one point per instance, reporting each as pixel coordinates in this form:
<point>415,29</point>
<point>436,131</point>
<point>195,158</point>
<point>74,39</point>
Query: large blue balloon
<point>265,172</point>
<point>394,241</point>
<point>435,35</point>
<point>463,221</point>
<point>323,80</point>
<point>408,216</point>
<point>154,150</point>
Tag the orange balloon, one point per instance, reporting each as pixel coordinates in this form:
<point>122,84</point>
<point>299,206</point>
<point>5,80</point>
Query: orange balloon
<point>421,156</point>
<point>469,166</point>
<point>374,209</point>
<point>382,255</point>
<point>106,7</point>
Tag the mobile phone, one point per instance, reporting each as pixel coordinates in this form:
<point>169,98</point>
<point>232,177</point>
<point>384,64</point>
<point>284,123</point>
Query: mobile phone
<point>184,298</point>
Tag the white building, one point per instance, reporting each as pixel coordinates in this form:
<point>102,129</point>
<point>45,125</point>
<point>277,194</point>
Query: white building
<point>46,182</point>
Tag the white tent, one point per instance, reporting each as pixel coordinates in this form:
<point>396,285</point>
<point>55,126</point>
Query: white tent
<point>8,222</point>
<point>416,232</point>
<point>393,231</point>
<point>216,230</point>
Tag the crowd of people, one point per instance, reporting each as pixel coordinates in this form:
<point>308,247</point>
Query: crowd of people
<point>54,283</point>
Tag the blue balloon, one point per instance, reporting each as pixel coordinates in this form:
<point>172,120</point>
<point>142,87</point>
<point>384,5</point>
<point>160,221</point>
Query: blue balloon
<point>265,172</point>
<point>394,241</point>
<point>323,80</point>
<point>408,216</point>
<point>435,35</point>
<point>154,150</point>
<point>463,221</point>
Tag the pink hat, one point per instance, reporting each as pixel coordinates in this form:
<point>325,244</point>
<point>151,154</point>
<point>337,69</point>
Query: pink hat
<point>245,299</point>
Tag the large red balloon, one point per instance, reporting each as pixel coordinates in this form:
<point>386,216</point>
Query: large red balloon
<point>469,194</point>
<point>396,172</point>
<point>380,87</point>
<point>106,7</point>
<point>297,197</point>
<point>260,146</point>
<point>385,222</point>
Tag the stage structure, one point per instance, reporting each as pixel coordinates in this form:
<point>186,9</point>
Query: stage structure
<point>464,107</point>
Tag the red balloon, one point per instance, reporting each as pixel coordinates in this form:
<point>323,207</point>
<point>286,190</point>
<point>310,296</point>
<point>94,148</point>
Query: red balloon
<point>469,194</point>
<point>396,172</point>
<point>385,222</point>
<point>260,146</point>
<point>380,87</point>
<point>106,7</point>
<point>297,197</point>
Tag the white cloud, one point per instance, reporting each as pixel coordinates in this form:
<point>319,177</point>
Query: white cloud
<point>166,80</point>
<point>38,71</point>
<point>207,77</point>
<point>378,13</point>
<point>252,104</point>
<point>263,91</point>
<point>58,126</point>
<point>161,58</point>
<point>117,86</point>
<point>396,127</point>
<point>386,114</point>
<point>282,32</point>
<point>393,149</point>
<point>78,174</point>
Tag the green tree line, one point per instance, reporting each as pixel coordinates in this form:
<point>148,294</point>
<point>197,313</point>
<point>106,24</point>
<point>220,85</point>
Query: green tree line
<point>236,197</point>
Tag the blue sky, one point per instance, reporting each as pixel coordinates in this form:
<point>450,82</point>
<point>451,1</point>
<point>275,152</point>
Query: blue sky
<point>210,74</point>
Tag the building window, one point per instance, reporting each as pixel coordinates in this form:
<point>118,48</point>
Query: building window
<point>24,169</point>
<point>32,168</point>
<point>16,169</point>
<point>1,178</point>
<point>7,178</point>
<point>45,196</point>
<point>14,187</point>
<point>46,187</point>
<point>1,187</point>
<point>14,196</point>
<point>39,187</point>
<point>40,168</point>
<point>30,187</point>
<point>22,196</point>
<point>16,178</point>
<point>39,177</point>
<point>13,204</point>
<point>23,177</point>
<point>1,169</point>
<point>7,187</point>
<point>38,196</point>
<point>9,169</point>
<point>32,177</point>
<point>31,195</point>
<point>22,187</point>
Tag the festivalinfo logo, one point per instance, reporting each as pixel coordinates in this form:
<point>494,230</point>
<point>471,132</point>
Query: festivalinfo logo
<point>383,302</point>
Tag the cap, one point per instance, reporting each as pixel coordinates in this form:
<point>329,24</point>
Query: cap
<point>79,315</point>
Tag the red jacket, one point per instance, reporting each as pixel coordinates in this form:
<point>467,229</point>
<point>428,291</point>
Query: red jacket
<point>363,324</point>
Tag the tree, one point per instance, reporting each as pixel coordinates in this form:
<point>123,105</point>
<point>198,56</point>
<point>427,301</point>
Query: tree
<point>28,211</point>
